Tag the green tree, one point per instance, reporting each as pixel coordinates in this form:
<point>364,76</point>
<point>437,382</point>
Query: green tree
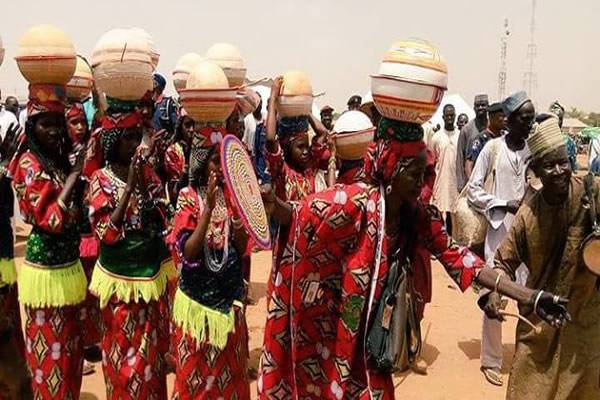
<point>574,112</point>
<point>593,119</point>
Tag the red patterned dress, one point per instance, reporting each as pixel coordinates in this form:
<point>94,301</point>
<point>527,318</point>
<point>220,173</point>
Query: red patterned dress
<point>174,162</point>
<point>174,165</point>
<point>350,173</point>
<point>329,275</point>
<point>52,283</point>
<point>289,184</point>
<point>130,280</point>
<point>210,340</point>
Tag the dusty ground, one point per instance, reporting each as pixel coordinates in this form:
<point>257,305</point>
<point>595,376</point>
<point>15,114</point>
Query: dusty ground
<point>451,332</point>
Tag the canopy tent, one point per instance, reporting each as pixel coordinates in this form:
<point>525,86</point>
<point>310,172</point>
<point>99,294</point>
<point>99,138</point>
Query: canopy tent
<point>460,105</point>
<point>590,133</point>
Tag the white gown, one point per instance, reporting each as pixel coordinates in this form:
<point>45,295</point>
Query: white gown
<point>510,183</point>
<point>445,189</point>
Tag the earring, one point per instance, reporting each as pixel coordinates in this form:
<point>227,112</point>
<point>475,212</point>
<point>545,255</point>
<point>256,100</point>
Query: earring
<point>388,189</point>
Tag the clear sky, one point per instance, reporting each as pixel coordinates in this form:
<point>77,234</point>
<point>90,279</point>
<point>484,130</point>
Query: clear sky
<point>340,42</point>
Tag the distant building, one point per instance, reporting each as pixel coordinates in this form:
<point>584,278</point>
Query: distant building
<point>573,126</point>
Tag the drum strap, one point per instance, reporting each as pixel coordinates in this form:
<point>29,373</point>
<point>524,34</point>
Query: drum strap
<point>589,192</point>
<point>588,183</point>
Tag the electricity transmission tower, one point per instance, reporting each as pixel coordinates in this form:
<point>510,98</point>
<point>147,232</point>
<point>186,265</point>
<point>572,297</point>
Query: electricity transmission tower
<point>530,82</point>
<point>502,73</point>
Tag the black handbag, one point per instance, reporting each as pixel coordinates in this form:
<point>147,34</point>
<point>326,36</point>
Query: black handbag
<point>394,338</point>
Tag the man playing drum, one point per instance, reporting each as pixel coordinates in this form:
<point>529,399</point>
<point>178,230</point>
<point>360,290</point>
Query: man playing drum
<point>547,235</point>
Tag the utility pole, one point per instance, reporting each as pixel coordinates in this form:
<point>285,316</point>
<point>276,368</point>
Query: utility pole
<point>503,51</point>
<point>530,82</point>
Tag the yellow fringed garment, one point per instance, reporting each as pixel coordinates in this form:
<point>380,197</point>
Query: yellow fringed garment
<point>8,271</point>
<point>51,287</point>
<point>105,284</point>
<point>204,324</point>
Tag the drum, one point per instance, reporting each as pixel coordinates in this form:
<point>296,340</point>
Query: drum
<point>590,248</point>
<point>590,251</point>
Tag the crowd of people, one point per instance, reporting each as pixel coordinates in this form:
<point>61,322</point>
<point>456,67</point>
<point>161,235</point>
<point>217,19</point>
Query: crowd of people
<point>138,258</point>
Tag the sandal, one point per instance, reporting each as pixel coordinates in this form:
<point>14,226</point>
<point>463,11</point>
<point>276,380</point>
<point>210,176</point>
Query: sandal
<point>493,375</point>
<point>419,367</point>
<point>88,368</point>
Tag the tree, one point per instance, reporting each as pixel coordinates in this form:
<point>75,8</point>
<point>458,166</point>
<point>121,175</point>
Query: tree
<point>574,112</point>
<point>593,119</point>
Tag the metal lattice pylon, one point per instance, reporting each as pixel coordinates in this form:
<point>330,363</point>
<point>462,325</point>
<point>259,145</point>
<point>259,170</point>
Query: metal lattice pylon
<point>503,51</point>
<point>530,82</point>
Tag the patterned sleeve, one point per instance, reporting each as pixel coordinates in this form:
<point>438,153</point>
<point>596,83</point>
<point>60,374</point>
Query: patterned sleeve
<point>459,262</point>
<point>174,162</point>
<point>93,155</point>
<point>155,190</point>
<point>38,195</point>
<point>275,163</point>
<point>101,197</point>
<point>277,170</point>
<point>429,179</point>
<point>189,210</point>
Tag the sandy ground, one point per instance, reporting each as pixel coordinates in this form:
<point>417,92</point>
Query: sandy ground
<point>451,332</point>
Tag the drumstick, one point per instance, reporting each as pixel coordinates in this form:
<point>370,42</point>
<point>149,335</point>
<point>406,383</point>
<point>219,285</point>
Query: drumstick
<point>537,329</point>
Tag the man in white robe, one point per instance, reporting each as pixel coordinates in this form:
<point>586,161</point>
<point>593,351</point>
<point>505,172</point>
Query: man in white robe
<point>506,159</point>
<point>443,145</point>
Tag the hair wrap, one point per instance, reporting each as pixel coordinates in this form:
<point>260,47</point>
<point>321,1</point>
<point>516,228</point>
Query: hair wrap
<point>395,141</point>
<point>98,146</point>
<point>46,98</point>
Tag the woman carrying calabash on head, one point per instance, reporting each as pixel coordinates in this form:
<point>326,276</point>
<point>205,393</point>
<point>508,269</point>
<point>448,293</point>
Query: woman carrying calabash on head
<point>128,215</point>
<point>292,160</point>
<point>210,339</point>
<point>52,283</point>
<point>177,157</point>
<point>79,134</point>
<point>338,253</point>
<point>332,288</point>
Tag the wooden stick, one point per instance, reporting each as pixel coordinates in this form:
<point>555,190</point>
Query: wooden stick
<point>536,329</point>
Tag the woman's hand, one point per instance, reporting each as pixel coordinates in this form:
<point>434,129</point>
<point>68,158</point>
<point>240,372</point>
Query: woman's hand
<point>9,145</point>
<point>79,161</point>
<point>276,88</point>
<point>275,208</point>
<point>211,192</point>
<point>155,142</point>
<point>271,125</point>
<point>551,308</point>
<point>268,197</point>
<point>132,175</point>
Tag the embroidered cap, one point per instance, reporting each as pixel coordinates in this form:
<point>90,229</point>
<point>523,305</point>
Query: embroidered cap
<point>546,138</point>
